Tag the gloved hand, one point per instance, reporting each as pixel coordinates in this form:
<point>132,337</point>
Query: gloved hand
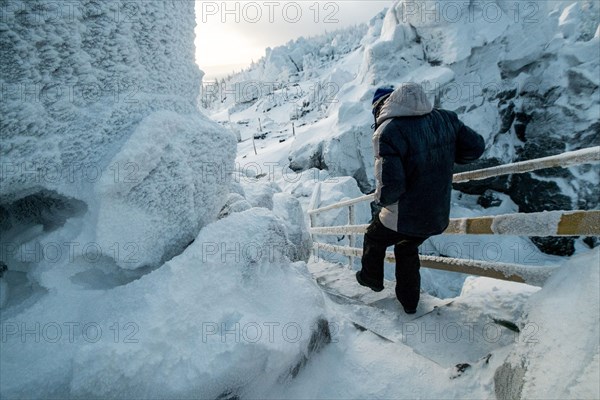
<point>375,209</point>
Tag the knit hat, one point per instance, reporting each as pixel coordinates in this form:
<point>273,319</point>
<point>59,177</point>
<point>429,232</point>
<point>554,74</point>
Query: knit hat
<point>380,93</point>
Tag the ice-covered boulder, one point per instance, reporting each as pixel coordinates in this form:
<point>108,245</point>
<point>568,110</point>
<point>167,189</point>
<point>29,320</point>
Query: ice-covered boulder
<point>264,193</point>
<point>220,319</point>
<point>259,193</point>
<point>177,196</point>
<point>235,203</point>
<point>345,149</point>
<point>99,116</point>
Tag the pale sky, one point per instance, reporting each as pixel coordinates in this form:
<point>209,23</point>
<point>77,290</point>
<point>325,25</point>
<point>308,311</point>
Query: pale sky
<point>230,34</point>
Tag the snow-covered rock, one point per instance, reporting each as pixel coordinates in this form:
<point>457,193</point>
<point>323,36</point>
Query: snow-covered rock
<point>218,319</point>
<point>289,211</point>
<point>557,353</point>
<point>259,193</point>
<point>177,195</point>
<point>99,115</point>
<point>235,203</point>
<point>343,147</point>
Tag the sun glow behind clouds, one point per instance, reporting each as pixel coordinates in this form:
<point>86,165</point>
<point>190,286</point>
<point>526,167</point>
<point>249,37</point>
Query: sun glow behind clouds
<point>231,34</point>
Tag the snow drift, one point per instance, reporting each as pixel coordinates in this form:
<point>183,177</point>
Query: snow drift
<point>222,318</point>
<point>558,354</point>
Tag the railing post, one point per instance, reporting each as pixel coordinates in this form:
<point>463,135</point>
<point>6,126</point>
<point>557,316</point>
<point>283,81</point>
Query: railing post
<point>351,237</point>
<point>313,204</point>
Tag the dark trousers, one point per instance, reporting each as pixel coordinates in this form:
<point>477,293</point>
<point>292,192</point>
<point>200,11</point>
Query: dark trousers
<point>406,249</point>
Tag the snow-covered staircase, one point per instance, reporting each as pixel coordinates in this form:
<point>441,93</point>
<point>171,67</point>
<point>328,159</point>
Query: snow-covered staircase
<point>455,334</point>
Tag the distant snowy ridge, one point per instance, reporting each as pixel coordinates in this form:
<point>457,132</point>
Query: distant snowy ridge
<point>302,58</point>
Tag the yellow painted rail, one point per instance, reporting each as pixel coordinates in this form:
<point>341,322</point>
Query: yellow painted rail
<point>548,223</point>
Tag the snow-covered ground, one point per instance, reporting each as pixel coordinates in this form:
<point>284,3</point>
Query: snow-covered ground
<point>211,290</point>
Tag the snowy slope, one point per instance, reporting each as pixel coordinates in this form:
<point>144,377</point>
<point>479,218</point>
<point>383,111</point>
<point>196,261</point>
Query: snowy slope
<point>560,356</point>
<point>528,99</point>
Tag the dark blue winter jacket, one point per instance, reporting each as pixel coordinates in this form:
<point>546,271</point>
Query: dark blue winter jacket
<point>416,147</point>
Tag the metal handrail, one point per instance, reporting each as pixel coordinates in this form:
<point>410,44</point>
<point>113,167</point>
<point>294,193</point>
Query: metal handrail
<point>553,223</point>
<point>341,204</point>
<point>530,274</point>
<point>567,159</point>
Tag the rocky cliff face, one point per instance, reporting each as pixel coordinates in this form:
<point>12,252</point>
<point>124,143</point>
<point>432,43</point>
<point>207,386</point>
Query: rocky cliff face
<point>535,93</point>
<point>525,76</point>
